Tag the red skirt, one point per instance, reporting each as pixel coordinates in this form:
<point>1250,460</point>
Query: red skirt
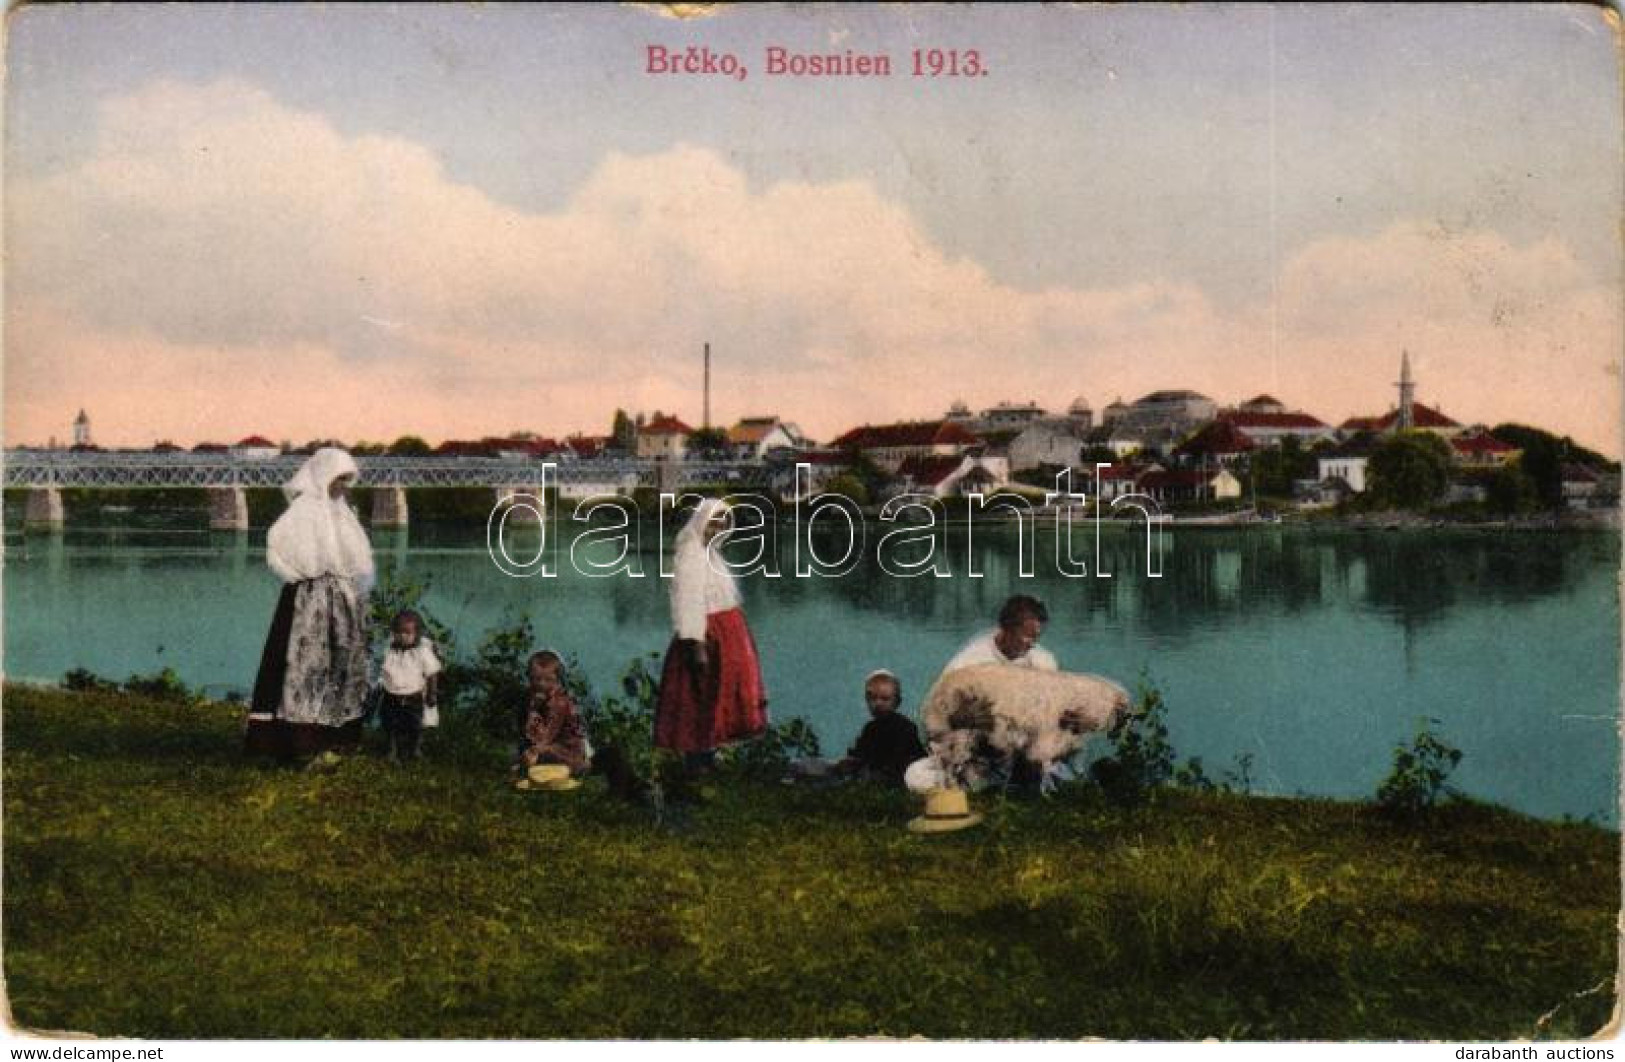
<point>729,704</point>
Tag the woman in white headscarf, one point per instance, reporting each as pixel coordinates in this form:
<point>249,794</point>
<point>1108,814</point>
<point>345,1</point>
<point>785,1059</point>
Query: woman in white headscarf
<point>312,685</point>
<point>711,690</point>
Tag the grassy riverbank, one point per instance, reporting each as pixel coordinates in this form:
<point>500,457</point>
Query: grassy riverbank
<point>156,885</point>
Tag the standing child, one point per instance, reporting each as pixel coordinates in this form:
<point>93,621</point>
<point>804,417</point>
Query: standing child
<point>551,732</point>
<point>409,699</point>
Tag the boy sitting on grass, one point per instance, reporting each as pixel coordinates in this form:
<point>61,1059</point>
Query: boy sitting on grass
<point>888,743</point>
<point>551,731</point>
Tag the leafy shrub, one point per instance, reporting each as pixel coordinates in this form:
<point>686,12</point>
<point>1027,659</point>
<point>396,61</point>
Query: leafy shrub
<point>1417,779</point>
<point>164,685</point>
<point>82,681</point>
<point>1142,757</point>
<point>621,729</point>
<point>767,757</point>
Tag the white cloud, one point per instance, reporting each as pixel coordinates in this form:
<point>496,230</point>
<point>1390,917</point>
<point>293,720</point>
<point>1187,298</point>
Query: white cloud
<point>230,254</point>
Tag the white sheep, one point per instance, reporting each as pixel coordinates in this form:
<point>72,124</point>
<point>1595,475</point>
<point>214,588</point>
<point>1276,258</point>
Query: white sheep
<point>1044,716</point>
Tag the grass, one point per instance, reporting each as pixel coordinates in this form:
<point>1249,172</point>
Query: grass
<point>156,885</point>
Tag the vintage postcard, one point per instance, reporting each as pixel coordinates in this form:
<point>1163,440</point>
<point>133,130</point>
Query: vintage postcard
<point>813,522</point>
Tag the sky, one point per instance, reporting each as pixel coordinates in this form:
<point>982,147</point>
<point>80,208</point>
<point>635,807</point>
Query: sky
<point>454,221</point>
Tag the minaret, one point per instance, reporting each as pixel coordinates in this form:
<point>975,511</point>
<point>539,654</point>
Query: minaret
<point>1407,394</point>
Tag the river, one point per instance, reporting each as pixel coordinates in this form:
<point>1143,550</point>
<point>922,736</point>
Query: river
<point>1312,652</point>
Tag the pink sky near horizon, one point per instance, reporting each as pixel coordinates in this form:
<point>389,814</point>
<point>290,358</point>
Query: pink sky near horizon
<point>276,275</point>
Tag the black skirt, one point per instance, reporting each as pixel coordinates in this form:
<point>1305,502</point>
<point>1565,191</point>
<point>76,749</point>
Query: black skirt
<point>268,735</point>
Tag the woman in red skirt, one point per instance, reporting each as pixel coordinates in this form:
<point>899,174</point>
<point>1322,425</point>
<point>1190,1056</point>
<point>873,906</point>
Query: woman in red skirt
<point>711,690</point>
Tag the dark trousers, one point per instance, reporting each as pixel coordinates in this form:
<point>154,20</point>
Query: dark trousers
<point>402,718</point>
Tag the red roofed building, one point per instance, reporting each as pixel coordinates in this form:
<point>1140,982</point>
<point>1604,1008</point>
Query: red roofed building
<point>1482,450</point>
<point>1188,484</point>
<point>889,445</point>
<point>588,446</point>
<point>1115,480</point>
<point>1423,418</point>
<point>948,474</point>
<point>256,448</point>
<point>1268,428</point>
<point>1220,442</point>
<point>533,449</point>
<point>753,437</point>
<point>1263,404</point>
<point>664,436</point>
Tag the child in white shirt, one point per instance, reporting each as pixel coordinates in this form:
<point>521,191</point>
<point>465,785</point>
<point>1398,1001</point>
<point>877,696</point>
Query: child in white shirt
<point>409,695</point>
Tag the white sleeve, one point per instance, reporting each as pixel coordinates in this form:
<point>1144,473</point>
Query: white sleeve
<point>1043,659</point>
<point>279,550</point>
<point>688,597</point>
<point>428,661</point>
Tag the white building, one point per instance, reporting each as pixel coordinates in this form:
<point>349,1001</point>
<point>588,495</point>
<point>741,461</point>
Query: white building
<point>1348,467</point>
<point>664,437</point>
<point>753,437</point>
<point>256,448</point>
<point>1045,442</point>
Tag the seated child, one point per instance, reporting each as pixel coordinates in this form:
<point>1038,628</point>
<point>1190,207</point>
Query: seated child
<point>888,743</point>
<point>551,732</point>
<point>409,686</point>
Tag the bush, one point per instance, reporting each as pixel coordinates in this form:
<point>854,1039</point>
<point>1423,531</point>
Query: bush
<point>83,681</point>
<point>766,758</point>
<point>621,729</point>
<point>1417,780</point>
<point>1142,757</point>
<point>163,685</point>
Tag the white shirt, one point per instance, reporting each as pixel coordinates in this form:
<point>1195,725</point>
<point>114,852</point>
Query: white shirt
<point>407,671</point>
<point>983,650</point>
<point>700,586</point>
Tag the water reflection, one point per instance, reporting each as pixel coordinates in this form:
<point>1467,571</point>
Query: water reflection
<point>1315,651</point>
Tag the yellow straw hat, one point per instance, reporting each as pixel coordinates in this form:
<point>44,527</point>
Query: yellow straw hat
<point>945,810</point>
<point>551,776</point>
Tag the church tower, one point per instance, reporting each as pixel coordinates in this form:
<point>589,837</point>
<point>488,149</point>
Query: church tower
<point>81,429</point>
<point>1407,395</point>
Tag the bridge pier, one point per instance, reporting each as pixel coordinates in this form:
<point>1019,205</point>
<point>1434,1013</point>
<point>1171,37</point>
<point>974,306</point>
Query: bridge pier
<point>389,507</point>
<point>525,515</point>
<point>228,509</point>
<point>43,511</point>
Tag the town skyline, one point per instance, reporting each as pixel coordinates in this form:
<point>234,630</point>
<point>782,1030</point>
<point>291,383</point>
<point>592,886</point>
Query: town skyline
<point>307,223</point>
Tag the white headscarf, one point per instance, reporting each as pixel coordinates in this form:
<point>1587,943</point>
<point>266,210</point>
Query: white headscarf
<point>319,535</point>
<point>701,583</point>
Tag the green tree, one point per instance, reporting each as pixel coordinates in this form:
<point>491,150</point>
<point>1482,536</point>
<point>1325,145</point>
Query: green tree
<point>1542,457</point>
<point>1275,468</point>
<point>409,445</point>
<point>1410,470</point>
<point>1508,490</point>
<point>624,432</point>
<point>849,486</point>
<point>707,441</point>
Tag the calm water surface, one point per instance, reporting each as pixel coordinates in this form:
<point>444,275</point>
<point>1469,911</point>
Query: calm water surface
<point>1312,652</point>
